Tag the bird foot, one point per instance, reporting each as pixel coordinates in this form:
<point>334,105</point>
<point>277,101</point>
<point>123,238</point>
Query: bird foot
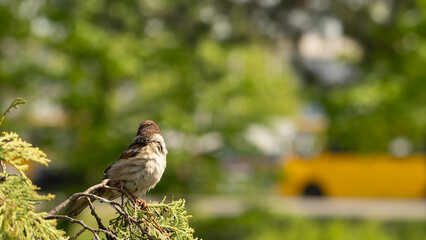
<point>142,203</point>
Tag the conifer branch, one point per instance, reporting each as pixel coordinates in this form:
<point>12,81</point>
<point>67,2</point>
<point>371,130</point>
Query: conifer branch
<point>14,104</point>
<point>19,153</point>
<point>73,220</point>
<point>157,221</point>
<point>17,193</point>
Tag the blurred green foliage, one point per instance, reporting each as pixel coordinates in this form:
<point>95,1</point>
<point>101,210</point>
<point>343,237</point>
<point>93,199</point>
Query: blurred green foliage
<point>263,225</point>
<point>93,70</point>
<point>204,71</point>
<point>389,101</point>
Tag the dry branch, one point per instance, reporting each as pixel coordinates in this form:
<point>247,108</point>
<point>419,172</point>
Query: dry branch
<point>101,228</point>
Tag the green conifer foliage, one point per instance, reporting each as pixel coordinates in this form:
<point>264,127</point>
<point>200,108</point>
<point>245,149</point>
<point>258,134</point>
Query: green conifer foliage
<point>17,193</point>
<point>160,221</point>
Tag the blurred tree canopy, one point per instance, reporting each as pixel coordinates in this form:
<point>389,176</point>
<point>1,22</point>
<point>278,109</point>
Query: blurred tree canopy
<point>205,70</point>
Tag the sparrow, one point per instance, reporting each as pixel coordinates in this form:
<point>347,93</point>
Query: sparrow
<point>138,169</point>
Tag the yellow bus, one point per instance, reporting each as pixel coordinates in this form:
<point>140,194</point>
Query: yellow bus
<point>349,174</point>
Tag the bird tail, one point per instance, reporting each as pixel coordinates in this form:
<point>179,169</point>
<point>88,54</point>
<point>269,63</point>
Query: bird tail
<point>78,206</point>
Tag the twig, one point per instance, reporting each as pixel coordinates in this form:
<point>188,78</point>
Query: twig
<point>73,220</point>
<point>137,222</point>
<point>78,234</point>
<point>14,104</point>
<point>157,225</point>
<point>95,215</point>
<point>110,234</point>
<point>124,191</point>
<point>119,208</point>
<point>76,196</point>
<point>145,232</point>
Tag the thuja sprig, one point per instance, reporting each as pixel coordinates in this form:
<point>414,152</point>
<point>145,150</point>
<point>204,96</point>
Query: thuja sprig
<point>160,220</point>
<point>18,195</point>
<point>14,104</point>
<point>18,153</point>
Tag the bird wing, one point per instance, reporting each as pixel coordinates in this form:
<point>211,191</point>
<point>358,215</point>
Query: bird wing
<point>131,151</point>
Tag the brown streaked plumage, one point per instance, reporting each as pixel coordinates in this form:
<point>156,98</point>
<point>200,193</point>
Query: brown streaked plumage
<point>139,168</point>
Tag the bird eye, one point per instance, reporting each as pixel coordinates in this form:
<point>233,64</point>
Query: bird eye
<point>159,147</point>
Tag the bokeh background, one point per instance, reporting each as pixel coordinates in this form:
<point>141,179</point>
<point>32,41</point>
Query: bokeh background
<point>238,88</point>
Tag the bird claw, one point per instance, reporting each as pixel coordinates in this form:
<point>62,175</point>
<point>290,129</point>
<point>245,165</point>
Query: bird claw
<point>142,203</point>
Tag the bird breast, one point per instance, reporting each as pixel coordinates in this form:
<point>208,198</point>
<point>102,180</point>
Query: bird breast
<point>149,172</point>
